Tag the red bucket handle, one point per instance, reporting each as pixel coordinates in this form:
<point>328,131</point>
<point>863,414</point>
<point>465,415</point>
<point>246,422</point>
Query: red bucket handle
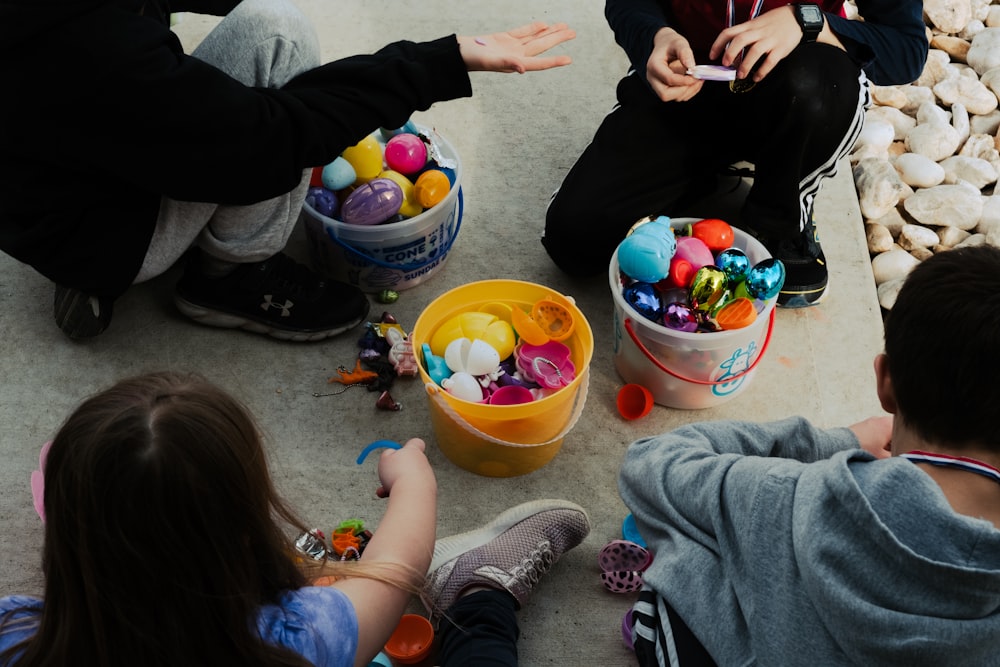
<point>731,378</point>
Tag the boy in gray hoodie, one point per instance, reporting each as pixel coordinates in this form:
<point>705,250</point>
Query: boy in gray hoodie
<point>786,544</point>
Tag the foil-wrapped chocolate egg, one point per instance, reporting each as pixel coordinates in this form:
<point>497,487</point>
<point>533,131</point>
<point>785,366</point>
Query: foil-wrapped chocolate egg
<point>765,279</point>
<point>734,263</point>
<point>707,288</point>
<point>680,317</point>
<point>645,298</point>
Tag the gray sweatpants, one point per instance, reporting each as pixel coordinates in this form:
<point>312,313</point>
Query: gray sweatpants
<point>261,43</point>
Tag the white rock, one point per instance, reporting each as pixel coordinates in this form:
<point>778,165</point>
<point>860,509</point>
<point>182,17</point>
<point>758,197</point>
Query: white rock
<point>879,187</point>
<point>976,97</point>
<point>974,240</point>
<point>955,47</point>
<point>981,146</point>
<point>893,264</point>
<point>919,171</point>
<point>972,28</point>
<point>892,96</point>
<point>947,15</point>
<point>931,112</point>
<point>989,219</point>
<point>893,221</point>
<point>984,53</point>
<point>960,121</point>
<point>936,68</point>
<point>993,17</point>
<point>935,140</point>
<point>917,236</point>
<point>888,291</point>
<point>946,205</point>
<point>949,237</point>
<point>975,171</point>
<point>878,237</point>
<point>876,135</point>
<point>920,254</point>
<point>986,123</point>
<point>901,123</point>
<point>980,10</point>
<point>916,97</point>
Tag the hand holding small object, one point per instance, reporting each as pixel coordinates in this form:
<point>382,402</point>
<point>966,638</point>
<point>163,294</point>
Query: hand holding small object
<point>516,50</point>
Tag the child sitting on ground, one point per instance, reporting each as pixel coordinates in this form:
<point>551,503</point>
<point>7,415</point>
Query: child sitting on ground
<point>785,544</point>
<point>166,544</point>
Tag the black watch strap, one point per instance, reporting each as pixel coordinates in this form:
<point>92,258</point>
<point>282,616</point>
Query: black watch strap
<point>811,20</point>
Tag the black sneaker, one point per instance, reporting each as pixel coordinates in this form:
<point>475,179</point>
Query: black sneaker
<point>805,267</point>
<point>79,314</point>
<point>278,297</point>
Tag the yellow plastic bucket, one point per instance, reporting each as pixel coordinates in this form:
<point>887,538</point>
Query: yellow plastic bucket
<point>504,440</point>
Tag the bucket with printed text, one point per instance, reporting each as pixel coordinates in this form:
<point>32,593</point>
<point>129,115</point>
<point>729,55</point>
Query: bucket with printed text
<point>689,370</point>
<point>395,255</point>
<point>504,440</point>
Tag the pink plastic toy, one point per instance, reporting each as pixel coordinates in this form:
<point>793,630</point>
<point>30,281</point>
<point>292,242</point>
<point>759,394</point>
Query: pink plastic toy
<point>402,357</point>
<point>548,365</point>
<point>405,153</point>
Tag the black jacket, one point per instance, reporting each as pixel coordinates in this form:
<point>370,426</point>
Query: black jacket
<point>104,114</point>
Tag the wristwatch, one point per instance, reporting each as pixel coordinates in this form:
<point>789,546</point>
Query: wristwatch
<point>811,20</point>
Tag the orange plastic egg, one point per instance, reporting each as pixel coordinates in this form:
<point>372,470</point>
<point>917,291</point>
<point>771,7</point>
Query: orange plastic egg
<point>431,188</point>
<point>716,234</point>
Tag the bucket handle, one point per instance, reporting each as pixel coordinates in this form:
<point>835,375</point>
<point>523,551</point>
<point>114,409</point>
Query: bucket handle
<point>408,267</point>
<point>649,355</point>
<point>581,398</point>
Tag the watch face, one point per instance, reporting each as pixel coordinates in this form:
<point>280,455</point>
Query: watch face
<point>811,14</point>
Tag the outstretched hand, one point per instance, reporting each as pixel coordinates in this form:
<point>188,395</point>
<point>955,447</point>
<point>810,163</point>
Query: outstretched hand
<point>516,50</point>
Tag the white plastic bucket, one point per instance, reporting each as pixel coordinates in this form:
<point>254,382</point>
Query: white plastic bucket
<point>396,255</point>
<point>689,370</point>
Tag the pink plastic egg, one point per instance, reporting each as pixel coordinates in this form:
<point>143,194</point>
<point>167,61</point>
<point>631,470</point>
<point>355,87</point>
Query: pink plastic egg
<point>372,203</point>
<point>694,251</point>
<point>406,153</point>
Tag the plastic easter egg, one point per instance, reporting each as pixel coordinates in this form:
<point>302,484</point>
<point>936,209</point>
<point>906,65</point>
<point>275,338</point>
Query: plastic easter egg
<point>323,201</point>
<point>405,153</point>
<point>707,288</point>
<point>475,357</point>
<point>464,386</point>
<point>645,257</point>
<point>681,273</point>
<point>374,202</point>
<point>694,251</point>
<point>475,324</point>
<point>765,279</point>
<point>672,294</point>
<point>316,177</point>
<point>410,208</point>
<point>409,127</point>
<point>715,233</point>
<point>431,188</point>
<point>680,317</point>
<point>661,229</point>
<point>734,263</point>
<point>645,298</point>
<point>366,159</point>
<point>338,175</point>
<point>511,395</point>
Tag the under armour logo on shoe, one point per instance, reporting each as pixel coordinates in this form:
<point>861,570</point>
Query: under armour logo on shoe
<point>286,308</point>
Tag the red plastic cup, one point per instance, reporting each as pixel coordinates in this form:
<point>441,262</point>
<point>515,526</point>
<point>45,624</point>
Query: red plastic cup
<point>634,401</point>
<point>411,641</point>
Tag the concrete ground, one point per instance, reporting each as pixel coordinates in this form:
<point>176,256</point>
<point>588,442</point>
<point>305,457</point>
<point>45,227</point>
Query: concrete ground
<point>517,138</point>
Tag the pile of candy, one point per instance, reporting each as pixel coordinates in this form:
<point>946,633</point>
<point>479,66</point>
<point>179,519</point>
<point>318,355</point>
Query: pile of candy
<point>347,542</point>
<point>502,355</point>
<point>388,176</point>
<point>693,279</point>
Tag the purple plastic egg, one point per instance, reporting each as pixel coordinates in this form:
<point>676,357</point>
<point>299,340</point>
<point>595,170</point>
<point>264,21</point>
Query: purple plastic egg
<point>405,153</point>
<point>323,201</point>
<point>680,317</point>
<point>372,203</point>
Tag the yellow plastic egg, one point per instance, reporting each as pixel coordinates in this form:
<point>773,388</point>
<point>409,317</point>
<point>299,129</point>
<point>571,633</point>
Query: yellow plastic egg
<point>475,325</point>
<point>410,207</point>
<point>366,158</point>
<point>431,187</point>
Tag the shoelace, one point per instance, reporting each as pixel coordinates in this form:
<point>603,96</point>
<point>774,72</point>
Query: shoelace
<point>535,564</point>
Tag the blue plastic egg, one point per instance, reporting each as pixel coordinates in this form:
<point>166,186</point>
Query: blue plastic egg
<point>734,263</point>
<point>372,203</point>
<point>408,128</point>
<point>645,298</point>
<point>338,174</point>
<point>765,279</point>
<point>323,201</point>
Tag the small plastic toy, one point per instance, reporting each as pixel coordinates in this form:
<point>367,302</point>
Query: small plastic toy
<point>411,641</point>
<point>645,298</point>
<point>475,357</point>
<point>378,444</point>
<point>437,367</point>
<point>405,153</point>
<point>312,544</point>
<point>511,395</point>
<point>713,72</point>
<point>714,233</point>
<point>386,402</point>
<point>622,563</point>
<point>736,314</point>
<point>410,207</point>
<point>357,376</point>
<point>549,365</point>
<point>634,401</point>
<point>765,279</point>
<point>708,287</point>
<point>630,532</point>
<point>323,201</point>
<point>553,318</point>
<point>475,324</point>
<point>679,316</point>
<point>645,257</point>
<point>464,386</point>
<point>735,263</point>
<point>527,328</point>
<point>694,251</point>
<point>372,203</point>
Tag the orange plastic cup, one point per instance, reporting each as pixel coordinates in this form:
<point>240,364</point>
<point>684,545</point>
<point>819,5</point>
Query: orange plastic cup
<point>634,401</point>
<point>411,641</point>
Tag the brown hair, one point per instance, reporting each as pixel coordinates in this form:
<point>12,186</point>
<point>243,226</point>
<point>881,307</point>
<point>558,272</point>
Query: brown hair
<point>164,533</point>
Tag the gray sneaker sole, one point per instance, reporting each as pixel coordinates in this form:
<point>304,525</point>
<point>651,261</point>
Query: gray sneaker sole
<point>454,546</point>
<point>223,320</point>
